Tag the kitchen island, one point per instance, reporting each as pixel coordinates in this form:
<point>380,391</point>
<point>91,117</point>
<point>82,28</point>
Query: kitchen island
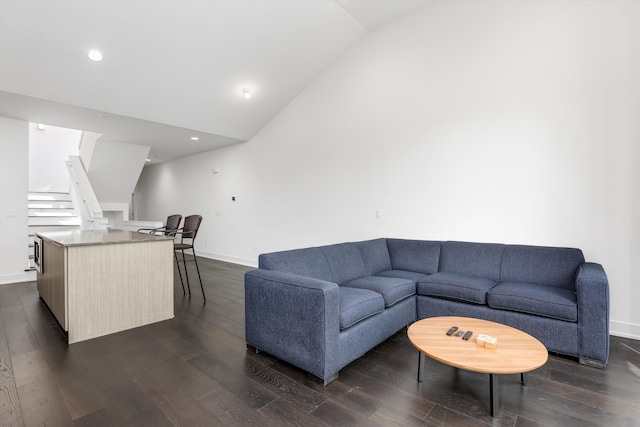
<point>97,282</point>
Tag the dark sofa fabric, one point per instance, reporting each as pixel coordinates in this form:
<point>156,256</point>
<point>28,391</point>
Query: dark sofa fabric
<point>321,308</point>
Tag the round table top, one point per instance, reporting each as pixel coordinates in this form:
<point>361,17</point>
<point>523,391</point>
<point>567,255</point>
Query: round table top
<point>516,352</point>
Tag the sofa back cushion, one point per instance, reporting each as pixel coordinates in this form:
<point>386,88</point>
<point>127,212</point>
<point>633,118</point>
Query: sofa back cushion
<point>541,265</point>
<point>421,256</point>
<point>345,262</point>
<point>375,256</point>
<point>309,262</point>
<point>471,259</point>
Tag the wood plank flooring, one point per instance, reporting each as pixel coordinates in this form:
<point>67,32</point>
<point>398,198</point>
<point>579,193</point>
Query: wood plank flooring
<point>195,370</point>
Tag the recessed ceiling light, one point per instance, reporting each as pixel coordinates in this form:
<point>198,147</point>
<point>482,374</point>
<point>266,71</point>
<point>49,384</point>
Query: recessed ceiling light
<point>95,55</point>
<point>147,160</point>
<point>247,92</point>
<point>194,138</point>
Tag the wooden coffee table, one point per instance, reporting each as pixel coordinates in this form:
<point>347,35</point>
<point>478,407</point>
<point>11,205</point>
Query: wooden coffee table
<point>517,352</point>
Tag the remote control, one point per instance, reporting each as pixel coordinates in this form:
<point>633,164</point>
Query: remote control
<point>459,334</point>
<point>452,330</point>
<point>467,335</point>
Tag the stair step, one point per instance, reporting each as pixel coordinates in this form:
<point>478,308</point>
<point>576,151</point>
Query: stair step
<point>53,221</point>
<point>42,196</point>
<point>41,228</point>
<point>50,204</point>
<point>52,212</point>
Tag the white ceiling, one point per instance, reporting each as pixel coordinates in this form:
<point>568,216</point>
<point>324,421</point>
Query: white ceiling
<point>172,69</point>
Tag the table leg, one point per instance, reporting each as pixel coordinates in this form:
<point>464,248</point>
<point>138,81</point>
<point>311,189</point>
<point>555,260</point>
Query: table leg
<point>493,391</point>
<point>420,366</point>
<point>523,378</point>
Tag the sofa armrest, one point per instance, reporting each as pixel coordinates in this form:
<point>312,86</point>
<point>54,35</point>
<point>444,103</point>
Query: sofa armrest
<point>592,290</point>
<point>294,318</point>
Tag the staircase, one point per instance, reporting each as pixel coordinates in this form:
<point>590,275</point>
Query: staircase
<point>49,211</point>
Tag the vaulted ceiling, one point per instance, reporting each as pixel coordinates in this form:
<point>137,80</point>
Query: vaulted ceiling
<point>173,69</point>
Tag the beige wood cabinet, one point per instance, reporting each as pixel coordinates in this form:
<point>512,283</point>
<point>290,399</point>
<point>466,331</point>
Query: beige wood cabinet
<point>105,281</point>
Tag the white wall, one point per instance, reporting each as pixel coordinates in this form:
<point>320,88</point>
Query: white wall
<point>114,169</point>
<point>512,122</point>
<point>14,178</point>
<point>49,149</point>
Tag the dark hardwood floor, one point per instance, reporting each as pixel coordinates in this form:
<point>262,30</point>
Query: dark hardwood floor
<point>195,370</point>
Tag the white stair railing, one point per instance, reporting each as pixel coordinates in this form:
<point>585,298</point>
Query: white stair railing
<point>88,207</point>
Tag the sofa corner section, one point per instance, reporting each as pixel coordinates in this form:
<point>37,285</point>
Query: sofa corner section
<point>294,318</point>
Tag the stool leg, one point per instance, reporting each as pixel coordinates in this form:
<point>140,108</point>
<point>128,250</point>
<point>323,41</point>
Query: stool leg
<point>186,273</point>
<point>198,270</point>
<point>175,255</point>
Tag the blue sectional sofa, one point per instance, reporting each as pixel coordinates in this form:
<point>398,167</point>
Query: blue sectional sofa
<point>320,308</point>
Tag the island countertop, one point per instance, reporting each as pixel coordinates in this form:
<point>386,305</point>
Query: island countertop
<point>98,237</point>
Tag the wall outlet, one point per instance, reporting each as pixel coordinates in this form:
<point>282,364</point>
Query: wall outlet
<point>378,213</point>
<point>218,213</point>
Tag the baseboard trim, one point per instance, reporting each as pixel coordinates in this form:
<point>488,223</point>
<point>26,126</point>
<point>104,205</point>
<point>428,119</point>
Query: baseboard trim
<point>234,260</point>
<point>9,279</point>
<point>624,330</point>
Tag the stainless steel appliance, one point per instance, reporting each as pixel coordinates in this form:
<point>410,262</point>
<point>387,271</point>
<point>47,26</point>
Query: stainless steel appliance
<point>38,246</point>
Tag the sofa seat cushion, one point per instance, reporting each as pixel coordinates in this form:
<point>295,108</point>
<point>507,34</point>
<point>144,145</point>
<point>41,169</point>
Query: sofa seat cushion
<point>402,274</point>
<point>542,300</point>
<point>392,289</point>
<point>358,304</point>
<point>456,286</point>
